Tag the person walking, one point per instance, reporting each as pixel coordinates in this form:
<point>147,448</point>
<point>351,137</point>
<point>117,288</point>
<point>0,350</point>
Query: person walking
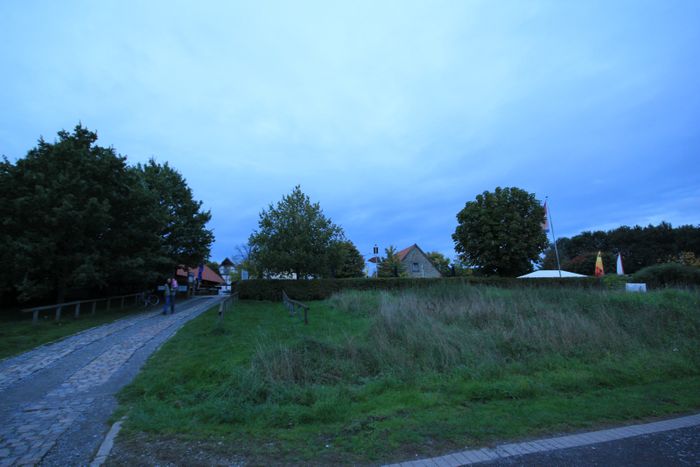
<point>173,291</point>
<point>166,296</point>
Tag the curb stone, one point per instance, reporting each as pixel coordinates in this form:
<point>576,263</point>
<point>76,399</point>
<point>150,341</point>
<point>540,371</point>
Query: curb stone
<point>107,444</point>
<point>506,450</point>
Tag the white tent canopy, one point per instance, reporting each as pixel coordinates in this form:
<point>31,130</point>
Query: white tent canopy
<point>547,273</point>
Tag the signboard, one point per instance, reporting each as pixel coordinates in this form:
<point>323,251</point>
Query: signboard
<point>632,287</point>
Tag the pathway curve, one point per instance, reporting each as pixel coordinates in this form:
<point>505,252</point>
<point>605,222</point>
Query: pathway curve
<point>55,400</point>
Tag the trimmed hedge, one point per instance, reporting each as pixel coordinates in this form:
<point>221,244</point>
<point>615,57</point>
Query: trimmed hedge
<point>668,275</point>
<point>320,289</point>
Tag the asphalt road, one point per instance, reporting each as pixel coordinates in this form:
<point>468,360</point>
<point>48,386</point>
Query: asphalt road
<point>668,448</point>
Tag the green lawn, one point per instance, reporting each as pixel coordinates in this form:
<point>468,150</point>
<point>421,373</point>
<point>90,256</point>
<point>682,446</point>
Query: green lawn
<point>380,377</point>
<point>18,334</point>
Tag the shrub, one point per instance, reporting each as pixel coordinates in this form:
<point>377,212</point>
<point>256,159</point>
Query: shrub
<point>668,275</point>
<point>614,282</point>
<point>320,289</point>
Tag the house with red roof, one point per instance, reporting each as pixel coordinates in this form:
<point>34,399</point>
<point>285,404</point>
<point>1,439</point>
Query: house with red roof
<point>417,262</point>
<point>210,278</point>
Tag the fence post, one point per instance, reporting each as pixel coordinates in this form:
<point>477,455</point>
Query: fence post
<point>58,313</point>
<point>122,305</point>
<point>77,309</point>
<point>94,305</point>
<point>221,312</point>
<point>35,316</point>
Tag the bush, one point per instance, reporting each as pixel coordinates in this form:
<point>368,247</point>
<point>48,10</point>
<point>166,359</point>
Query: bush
<point>320,289</point>
<point>669,275</point>
<point>614,282</point>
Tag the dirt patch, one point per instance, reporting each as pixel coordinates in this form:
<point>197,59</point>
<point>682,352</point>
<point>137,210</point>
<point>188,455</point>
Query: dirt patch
<point>145,450</point>
<point>140,449</point>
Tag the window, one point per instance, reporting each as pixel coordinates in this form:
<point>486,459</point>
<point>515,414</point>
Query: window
<point>416,267</point>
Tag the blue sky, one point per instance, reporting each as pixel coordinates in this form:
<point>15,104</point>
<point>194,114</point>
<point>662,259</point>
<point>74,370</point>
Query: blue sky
<point>392,115</point>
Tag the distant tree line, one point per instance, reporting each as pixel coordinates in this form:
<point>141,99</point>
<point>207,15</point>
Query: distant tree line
<point>73,214</point>
<point>639,246</point>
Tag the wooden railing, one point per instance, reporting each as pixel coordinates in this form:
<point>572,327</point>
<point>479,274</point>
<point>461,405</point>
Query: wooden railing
<point>77,304</point>
<point>292,306</point>
<point>226,304</point>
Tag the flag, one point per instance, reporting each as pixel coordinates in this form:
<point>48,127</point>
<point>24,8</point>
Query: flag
<point>599,266</point>
<point>545,224</point>
<point>620,270</point>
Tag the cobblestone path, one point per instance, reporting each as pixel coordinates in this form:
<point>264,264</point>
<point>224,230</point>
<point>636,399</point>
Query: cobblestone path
<point>55,400</point>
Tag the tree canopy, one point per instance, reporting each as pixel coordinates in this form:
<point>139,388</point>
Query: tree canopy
<point>500,232</point>
<point>182,220</point>
<point>74,214</point>
<point>294,237</point>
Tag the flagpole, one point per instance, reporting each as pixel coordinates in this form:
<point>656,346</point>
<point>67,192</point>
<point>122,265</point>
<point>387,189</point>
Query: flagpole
<point>554,238</point>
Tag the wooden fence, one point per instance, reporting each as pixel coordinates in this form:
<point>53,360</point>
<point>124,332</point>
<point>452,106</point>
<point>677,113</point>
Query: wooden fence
<point>77,305</point>
<point>226,304</point>
<point>292,306</point>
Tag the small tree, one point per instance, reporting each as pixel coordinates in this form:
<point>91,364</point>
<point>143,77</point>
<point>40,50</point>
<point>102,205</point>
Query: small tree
<point>346,260</point>
<point>294,237</point>
<point>501,232</point>
<point>244,260</point>
<point>391,265</point>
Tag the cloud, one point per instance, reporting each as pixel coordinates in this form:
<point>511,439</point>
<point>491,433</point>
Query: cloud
<point>392,115</point>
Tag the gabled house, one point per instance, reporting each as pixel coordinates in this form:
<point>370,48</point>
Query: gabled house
<point>417,262</point>
<point>210,278</point>
<point>226,271</point>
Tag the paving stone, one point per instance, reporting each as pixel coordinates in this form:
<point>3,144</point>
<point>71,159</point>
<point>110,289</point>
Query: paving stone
<point>33,428</point>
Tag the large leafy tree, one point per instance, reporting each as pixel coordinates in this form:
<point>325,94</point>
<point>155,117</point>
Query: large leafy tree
<point>185,238</point>
<point>500,232</point>
<point>74,215</point>
<point>294,237</point>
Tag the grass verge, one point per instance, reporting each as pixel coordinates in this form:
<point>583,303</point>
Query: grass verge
<point>380,377</point>
<point>18,334</point>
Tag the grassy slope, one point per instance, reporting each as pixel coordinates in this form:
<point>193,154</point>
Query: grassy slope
<point>241,382</point>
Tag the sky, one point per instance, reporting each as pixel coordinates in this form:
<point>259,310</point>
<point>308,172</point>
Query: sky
<point>391,115</point>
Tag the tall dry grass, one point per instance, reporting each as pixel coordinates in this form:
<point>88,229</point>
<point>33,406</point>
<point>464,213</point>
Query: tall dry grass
<point>446,327</point>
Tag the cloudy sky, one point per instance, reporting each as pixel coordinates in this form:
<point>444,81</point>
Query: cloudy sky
<point>391,115</point>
